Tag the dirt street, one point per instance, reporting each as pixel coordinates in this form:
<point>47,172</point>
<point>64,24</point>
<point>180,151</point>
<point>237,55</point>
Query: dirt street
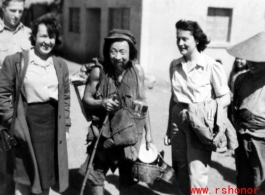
<point>222,171</point>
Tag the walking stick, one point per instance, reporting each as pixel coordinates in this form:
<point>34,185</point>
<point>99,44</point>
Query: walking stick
<point>93,154</point>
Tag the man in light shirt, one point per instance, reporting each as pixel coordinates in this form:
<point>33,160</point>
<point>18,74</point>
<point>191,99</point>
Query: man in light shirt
<point>14,37</point>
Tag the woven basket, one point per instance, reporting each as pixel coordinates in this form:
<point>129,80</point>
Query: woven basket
<point>146,173</point>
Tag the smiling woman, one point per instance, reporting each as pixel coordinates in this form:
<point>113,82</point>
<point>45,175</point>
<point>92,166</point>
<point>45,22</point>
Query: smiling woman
<point>195,78</point>
<point>41,154</point>
<point>45,36</point>
<point>44,43</point>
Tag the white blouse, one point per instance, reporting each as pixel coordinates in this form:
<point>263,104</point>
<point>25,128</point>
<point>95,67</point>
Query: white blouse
<point>41,82</point>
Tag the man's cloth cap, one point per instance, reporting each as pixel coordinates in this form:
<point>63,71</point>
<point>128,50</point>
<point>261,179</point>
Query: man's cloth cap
<point>252,49</point>
<point>121,34</point>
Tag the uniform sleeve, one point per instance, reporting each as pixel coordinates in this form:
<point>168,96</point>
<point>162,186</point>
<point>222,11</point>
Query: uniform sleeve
<point>219,80</point>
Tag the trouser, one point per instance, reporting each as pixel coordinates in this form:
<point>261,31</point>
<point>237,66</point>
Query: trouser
<point>7,184</point>
<point>190,159</point>
<point>250,164</point>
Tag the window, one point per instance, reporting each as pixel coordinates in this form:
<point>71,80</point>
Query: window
<point>219,24</point>
<point>74,20</point>
<point>119,18</point>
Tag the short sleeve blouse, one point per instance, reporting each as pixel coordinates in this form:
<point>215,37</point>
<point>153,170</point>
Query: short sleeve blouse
<point>205,81</point>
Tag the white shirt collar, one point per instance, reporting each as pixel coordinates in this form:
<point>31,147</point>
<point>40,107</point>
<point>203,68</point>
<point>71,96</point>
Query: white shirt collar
<point>33,58</point>
<point>200,62</point>
<point>3,26</point>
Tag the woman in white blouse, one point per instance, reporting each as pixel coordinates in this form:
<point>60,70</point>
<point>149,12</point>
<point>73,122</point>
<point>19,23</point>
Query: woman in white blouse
<point>195,78</point>
<point>42,122</point>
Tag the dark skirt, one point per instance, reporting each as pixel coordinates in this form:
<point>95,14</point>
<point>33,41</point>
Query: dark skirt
<point>42,123</point>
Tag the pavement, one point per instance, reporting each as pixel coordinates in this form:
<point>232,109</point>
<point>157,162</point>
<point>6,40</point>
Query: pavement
<point>222,171</point>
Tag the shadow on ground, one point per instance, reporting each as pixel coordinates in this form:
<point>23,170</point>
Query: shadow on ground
<point>76,180</point>
<point>157,188</point>
<point>227,173</point>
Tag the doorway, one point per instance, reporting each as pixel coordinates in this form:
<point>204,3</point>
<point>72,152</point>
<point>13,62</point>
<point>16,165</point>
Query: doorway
<point>92,34</point>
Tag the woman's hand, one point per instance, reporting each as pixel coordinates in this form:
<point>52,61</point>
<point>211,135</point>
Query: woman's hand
<point>110,104</point>
<point>218,137</point>
<point>167,140</point>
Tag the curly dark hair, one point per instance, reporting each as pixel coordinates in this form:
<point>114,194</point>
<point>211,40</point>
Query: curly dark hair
<point>52,25</point>
<point>196,31</point>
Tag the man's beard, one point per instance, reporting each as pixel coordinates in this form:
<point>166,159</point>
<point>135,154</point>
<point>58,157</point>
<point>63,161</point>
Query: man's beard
<point>119,68</point>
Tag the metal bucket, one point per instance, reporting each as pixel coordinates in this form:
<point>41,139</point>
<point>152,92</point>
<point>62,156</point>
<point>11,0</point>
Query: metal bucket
<point>146,173</point>
<point>168,174</point>
<point>159,170</point>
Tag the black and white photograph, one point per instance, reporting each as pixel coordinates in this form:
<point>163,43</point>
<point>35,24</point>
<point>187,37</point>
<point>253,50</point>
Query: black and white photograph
<point>132,97</point>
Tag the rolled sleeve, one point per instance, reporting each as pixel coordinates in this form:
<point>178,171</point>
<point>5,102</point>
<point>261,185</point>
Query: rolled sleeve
<point>219,80</point>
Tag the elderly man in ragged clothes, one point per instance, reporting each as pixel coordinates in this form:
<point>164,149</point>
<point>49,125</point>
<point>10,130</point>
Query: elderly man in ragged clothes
<point>117,93</point>
<point>249,111</point>
<point>14,37</point>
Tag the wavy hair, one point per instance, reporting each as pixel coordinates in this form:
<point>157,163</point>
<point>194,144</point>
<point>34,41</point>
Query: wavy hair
<point>196,31</point>
<point>52,25</point>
